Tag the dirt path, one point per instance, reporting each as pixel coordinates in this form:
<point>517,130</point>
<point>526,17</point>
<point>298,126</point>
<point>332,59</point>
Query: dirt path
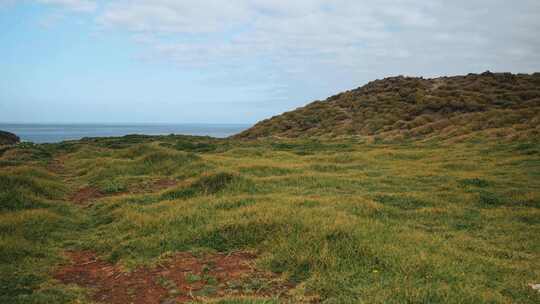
<point>182,278</point>
<point>86,195</point>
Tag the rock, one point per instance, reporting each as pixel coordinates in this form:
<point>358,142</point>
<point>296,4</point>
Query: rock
<point>7,138</point>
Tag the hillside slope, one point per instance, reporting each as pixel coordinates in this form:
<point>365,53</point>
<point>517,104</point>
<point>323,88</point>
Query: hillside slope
<point>492,104</point>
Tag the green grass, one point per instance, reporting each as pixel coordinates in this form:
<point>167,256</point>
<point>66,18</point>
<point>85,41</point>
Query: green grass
<point>34,224</point>
<point>346,221</point>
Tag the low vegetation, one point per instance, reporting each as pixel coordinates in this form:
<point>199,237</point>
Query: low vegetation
<point>496,105</point>
<point>329,221</point>
<point>406,190</point>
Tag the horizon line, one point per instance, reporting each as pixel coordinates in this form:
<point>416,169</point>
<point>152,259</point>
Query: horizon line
<point>124,123</point>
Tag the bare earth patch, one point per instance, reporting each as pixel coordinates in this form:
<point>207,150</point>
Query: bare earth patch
<point>85,195</point>
<point>182,278</point>
<point>152,186</point>
<point>56,166</point>
<point>164,184</point>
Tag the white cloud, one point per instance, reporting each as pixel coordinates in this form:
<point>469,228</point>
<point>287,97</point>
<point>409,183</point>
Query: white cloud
<point>341,32</point>
<point>273,55</point>
<point>73,5</point>
<point>174,16</point>
<point>84,6</point>
<point>327,42</point>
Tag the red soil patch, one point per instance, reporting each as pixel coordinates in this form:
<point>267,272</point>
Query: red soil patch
<point>85,195</point>
<point>153,186</point>
<point>181,279</point>
<point>164,184</point>
<point>88,194</point>
<point>56,166</point>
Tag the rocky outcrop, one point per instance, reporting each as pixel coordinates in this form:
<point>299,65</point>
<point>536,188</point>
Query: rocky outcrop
<point>7,138</point>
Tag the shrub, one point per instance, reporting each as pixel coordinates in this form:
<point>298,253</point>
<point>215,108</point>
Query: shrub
<point>476,182</point>
<point>187,145</point>
<point>490,199</point>
<point>402,202</point>
<point>206,185</point>
<point>263,171</point>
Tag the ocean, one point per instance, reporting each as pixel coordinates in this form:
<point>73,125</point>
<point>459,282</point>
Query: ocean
<point>53,133</point>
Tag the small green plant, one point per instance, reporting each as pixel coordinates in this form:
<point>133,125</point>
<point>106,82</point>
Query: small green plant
<point>475,182</point>
<point>193,278</point>
<point>230,205</point>
<point>214,183</point>
<point>210,280</point>
<point>490,199</point>
<point>200,147</point>
<point>309,204</point>
<point>206,185</point>
<point>112,186</point>
<point>206,291</point>
<point>402,202</point>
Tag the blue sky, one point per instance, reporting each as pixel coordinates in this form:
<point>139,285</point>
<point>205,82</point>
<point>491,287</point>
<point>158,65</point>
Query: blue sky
<point>239,61</point>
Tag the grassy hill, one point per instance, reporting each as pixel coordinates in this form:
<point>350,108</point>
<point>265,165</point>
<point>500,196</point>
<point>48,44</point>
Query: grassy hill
<point>489,104</point>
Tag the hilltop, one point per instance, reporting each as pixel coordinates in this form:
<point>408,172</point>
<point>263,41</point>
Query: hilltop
<point>492,104</point>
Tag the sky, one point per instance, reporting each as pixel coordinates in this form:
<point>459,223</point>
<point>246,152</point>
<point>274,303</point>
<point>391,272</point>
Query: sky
<point>239,61</point>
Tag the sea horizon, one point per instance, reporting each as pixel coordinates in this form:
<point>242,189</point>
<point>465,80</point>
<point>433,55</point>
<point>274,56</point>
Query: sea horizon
<point>62,131</point>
